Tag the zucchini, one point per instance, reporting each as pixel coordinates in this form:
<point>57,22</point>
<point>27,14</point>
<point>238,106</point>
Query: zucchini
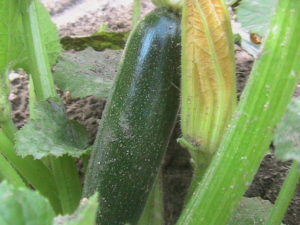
<point>137,122</point>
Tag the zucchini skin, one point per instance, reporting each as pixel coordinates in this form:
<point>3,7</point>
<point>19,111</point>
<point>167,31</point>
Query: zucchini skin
<point>137,121</point>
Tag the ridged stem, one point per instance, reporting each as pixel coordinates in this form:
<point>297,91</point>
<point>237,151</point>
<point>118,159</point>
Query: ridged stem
<point>136,12</point>
<point>286,195</point>
<point>63,168</point>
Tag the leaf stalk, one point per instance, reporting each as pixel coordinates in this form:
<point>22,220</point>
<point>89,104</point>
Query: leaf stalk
<point>286,194</point>
<point>63,168</point>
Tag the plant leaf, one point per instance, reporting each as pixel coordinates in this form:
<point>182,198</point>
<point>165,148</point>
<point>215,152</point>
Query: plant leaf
<point>287,136</point>
<point>230,2</point>
<point>252,211</point>
<point>255,15</point>
<point>51,133</point>
<point>11,41</point>
<point>87,72</point>
<point>20,206</point>
<point>84,215</point>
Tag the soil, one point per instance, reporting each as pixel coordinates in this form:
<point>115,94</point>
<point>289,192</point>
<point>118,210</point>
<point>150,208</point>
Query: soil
<point>85,17</point>
<point>81,17</point>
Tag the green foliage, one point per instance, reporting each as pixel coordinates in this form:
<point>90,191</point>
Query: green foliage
<point>51,133</point>
<point>11,41</point>
<point>7,172</point>
<point>33,171</point>
<point>20,206</point>
<point>287,138</point>
<point>87,72</point>
<point>51,136</point>
<point>256,15</point>
<point>252,211</point>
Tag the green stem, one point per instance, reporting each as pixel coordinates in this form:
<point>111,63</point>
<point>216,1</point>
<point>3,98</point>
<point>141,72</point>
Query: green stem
<point>263,103</point>
<point>197,177</point>
<point>285,196</point>
<point>39,64</point>
<point>7,172</point>
<point>66,175</point>
<point>33,171</point>
<point>153,213</point>
<point>136,12</point>
<point>63,168</point>
<point>175,5</point>
<point>9,129</point>
<point>200,160</point>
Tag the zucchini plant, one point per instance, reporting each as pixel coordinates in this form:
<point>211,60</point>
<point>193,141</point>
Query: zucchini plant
<point>138,120</point>
<point>183,45</point>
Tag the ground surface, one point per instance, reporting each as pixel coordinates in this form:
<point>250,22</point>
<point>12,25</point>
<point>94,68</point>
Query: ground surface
<point>84,17</point>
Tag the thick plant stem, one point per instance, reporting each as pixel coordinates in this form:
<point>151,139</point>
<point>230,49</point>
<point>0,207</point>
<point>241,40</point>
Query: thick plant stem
<point>286,194</point>
<point>136,12</point>
<point>64,170</point>
<point>198,174</point>
<point>9,128</point>
<point>175,5</point>
<point>263,103</point>
<point>39,63</point>
<point>34,171</point>
<point>7,172</point>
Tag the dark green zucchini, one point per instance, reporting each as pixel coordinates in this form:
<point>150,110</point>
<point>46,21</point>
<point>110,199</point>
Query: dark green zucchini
<point>137,122</point>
